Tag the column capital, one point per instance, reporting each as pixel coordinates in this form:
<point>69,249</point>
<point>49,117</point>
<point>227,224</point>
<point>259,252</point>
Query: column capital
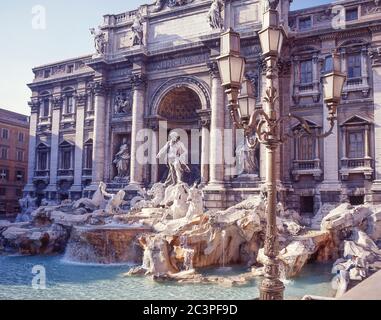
<point>57,102</point>
<point>213,69</point>
<point>99,88</point>
<point>375,55</point>
<point>138,81</point>
<point>34,106</point>
<point>81,99</point>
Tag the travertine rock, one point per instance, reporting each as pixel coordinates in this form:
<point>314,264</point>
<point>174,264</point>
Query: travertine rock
<point>345,216</point>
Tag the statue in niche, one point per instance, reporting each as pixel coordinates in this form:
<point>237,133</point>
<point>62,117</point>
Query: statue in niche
<point>176,156</point>
<point>215,18</point>
<point>100,41</point>
<point>247,162</point>
<point>122,160</point>
<point>137,30</point>
<point>122,103</point>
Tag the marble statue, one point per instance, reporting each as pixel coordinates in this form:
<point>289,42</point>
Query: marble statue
<point>100,41</point>
<point>98,201</point>
<point>137,30</point>
<point>114,204</point>
<point>122,160</point>
<point>195,202</point>
<point>246,160</point>
<point>270,4</point>
<point>180,205</point>
<point>122,104</point>
<point>159,4</point>
<point>149,199</point>
<point>176,201</point>
<point>27,205</point>
<point>215,18</point>
<point>176,155</point>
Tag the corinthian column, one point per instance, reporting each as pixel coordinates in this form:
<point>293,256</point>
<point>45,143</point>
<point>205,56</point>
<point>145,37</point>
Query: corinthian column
<point>81,100</point>
<point>375,54</point>
<point>57,103</point>
<point>34,105</point>
<point>217,126</point>
<point>99,133</point>
<point>136,170</point>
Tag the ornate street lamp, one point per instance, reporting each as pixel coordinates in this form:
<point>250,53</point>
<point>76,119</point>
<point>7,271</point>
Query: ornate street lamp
<point>266,125</point>
<point>246,101</point>
<point>231,64</point>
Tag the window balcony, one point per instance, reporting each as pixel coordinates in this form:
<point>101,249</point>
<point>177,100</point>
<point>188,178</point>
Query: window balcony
<point>41,173</point>
<point>65,173</point>
<point>356,166</point>
<point>87,173</point>
<point>68,117</point>
<point>306,90</point>
<point>358,84</point>
<point>306,168</point>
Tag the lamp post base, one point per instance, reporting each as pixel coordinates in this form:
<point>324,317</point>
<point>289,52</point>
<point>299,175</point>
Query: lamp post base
<point>272,289</point>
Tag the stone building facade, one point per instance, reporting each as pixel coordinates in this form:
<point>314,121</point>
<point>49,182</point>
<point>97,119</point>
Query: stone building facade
<point>14,140</point>
<point>155,69</point>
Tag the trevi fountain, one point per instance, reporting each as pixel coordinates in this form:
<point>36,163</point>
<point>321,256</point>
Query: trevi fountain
<point>162,244</point>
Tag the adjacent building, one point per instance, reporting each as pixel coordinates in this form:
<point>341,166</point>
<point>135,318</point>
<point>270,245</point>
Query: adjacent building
<point>14,143</point>
<point>157,65</point>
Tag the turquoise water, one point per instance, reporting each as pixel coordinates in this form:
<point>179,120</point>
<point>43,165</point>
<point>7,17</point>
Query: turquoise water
<point>68,281</point>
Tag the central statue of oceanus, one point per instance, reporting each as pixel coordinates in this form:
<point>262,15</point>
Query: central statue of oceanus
<point>176,156</point>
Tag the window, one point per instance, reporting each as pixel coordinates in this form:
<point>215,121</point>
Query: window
<point>46,74</point>
<point>5,133</point>
<point>305,23</point>
<point>4,174</point>
<point>70,68</point>
<point>69,103</point>
<point>356,147</point>
<point>4,153</point>
<point>328,65</point>
<point>356,200</point>
<point>307,205</point>
<point>66,155</point>
<point>3,192</point>
<point>66,159</point>
<point>42,157</point>
<point>20,155</point>
<point>306,72</point>
<point>88,156</point>
<point>21,137</point>
<point>45,108</point>
<point>354,66</point>
<point>42,160</point>
<point>351,14</point>
<point>20,175</point>
<point>306,148</point>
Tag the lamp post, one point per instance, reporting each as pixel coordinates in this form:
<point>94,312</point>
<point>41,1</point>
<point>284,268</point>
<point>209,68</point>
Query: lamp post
<point>266,125</point>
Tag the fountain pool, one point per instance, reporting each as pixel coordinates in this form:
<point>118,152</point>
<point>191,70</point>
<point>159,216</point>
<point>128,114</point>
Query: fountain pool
<point>94,282</point>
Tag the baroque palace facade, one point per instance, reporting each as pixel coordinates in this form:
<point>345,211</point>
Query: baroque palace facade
<point>155,68</point>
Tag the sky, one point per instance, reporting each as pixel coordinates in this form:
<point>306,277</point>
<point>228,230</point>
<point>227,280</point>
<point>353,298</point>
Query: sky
<point>25,43</point>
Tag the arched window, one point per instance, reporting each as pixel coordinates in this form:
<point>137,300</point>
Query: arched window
<point>42,157</point>
<point>68,101</point>
<point>356,153</point>
<point>66,156</point>
<point>306,153</point>
<point>88,155</point>
<point>44,104</point>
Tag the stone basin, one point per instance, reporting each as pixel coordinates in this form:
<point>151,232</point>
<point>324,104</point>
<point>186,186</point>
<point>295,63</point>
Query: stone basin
<point>108,244</point>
